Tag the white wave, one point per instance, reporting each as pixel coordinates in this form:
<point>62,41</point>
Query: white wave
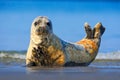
<point>15,55</point>
<point>111,55</point>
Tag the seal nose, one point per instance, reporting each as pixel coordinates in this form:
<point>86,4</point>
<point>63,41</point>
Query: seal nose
<point>42,26</point>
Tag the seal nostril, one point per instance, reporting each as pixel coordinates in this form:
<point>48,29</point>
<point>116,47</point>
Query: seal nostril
<point>38,30</point>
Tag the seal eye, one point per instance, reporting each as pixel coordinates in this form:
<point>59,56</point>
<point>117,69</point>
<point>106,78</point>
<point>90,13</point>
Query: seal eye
<point>48,23</point>
<point>35,23</point>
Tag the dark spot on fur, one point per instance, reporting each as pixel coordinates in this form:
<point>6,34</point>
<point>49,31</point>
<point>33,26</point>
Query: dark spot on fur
<point>42,58</point>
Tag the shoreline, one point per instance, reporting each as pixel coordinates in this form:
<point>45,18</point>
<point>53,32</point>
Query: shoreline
<point>14,69</point>
<point>58,73</point>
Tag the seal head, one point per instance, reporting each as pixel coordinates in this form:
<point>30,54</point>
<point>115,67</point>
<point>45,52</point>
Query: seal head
<point>41,28</point>
<point>42,25</point>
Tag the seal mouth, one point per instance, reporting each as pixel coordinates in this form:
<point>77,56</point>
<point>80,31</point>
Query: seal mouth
<point>41,30</point>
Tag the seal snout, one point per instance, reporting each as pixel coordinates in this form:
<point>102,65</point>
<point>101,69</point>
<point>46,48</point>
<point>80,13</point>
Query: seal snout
<point>41,30</point>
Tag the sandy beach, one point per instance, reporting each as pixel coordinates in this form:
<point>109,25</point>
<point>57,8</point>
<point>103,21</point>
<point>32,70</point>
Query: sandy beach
<point>92,72</point>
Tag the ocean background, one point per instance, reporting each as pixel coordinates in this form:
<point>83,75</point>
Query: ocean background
<point>68,18</point>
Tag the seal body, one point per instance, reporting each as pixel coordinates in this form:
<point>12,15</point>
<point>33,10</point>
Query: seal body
<point>46,49</point>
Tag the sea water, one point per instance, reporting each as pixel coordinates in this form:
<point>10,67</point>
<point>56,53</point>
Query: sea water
<point>111,59</point>
<point>12,66</point>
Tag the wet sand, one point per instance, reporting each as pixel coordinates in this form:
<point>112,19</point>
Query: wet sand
<point>59,73</point>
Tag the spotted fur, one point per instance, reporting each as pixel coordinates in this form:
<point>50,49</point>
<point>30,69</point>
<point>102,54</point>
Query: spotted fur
<point>46,49</point>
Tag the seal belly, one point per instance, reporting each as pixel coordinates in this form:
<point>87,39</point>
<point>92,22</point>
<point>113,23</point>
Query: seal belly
<point>56,55</point>
<point>76,53</point>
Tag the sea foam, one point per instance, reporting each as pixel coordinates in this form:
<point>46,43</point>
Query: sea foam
<point>12,55</point>
<point>110,55</point>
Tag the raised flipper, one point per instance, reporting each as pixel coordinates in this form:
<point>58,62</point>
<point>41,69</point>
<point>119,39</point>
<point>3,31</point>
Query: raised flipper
<point>89,31</point>
<point>98,32</point>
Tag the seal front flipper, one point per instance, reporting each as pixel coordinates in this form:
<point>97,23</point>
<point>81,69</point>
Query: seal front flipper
<point>31,64</point>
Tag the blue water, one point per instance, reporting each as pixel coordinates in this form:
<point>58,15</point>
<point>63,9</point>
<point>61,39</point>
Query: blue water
<point>68,19</point>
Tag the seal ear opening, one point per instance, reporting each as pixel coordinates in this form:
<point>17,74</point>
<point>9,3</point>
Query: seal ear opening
<point>98,30</point>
